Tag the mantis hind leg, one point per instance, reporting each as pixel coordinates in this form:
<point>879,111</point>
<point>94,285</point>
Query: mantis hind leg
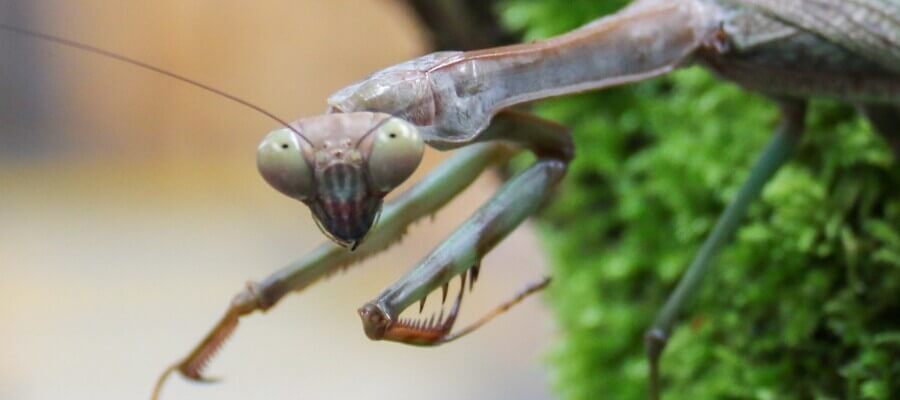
<point>776,153</point>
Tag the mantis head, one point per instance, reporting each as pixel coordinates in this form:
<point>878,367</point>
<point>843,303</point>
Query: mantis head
<point>341,165</point>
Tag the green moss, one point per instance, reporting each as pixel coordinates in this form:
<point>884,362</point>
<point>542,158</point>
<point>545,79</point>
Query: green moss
<point>806,301</point>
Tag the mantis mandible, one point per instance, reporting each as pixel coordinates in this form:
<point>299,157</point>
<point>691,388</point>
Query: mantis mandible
<point>343,163</point>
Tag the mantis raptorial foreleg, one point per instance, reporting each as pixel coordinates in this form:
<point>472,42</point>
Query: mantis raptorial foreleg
<point>776,153</point>
<point>461,253</point>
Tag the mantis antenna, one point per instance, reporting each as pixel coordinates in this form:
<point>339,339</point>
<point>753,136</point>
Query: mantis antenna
<point>109,54</point>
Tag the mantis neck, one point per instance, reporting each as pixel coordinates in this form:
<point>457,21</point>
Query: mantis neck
<point>647,39</point>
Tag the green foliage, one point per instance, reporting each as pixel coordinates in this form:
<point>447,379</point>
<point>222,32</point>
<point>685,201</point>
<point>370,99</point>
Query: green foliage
<point>805,303</point>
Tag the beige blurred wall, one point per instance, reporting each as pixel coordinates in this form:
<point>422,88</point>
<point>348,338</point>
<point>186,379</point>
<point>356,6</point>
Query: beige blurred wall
<point>286,56</point>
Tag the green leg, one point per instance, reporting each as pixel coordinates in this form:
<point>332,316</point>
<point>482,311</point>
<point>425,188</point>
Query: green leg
<point>463,250</point>
<point>461,253</point>
<point>429,195</point>
<point>774,156</point>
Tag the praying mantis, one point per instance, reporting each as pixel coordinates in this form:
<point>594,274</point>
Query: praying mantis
<point>343,163</point>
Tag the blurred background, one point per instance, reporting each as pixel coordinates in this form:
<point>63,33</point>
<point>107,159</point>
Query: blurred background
<point>131,211</point>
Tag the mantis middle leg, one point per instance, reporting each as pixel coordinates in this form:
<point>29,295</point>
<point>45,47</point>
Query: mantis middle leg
<point>772,158</point>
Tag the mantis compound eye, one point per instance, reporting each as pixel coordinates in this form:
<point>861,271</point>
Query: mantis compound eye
<point>397,150</point>
<point>283,165</point>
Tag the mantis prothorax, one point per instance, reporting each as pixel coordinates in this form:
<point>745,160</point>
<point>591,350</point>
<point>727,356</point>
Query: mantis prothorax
<point>343,163</point>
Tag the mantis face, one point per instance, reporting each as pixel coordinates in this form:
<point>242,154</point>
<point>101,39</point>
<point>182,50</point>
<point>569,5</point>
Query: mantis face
<point>341,165</point>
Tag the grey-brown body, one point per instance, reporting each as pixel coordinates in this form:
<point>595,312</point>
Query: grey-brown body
<point>848,50</point>
<point>835,48</point>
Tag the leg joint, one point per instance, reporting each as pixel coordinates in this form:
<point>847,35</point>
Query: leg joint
<point>249,300</point>
<point>655,341</point>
